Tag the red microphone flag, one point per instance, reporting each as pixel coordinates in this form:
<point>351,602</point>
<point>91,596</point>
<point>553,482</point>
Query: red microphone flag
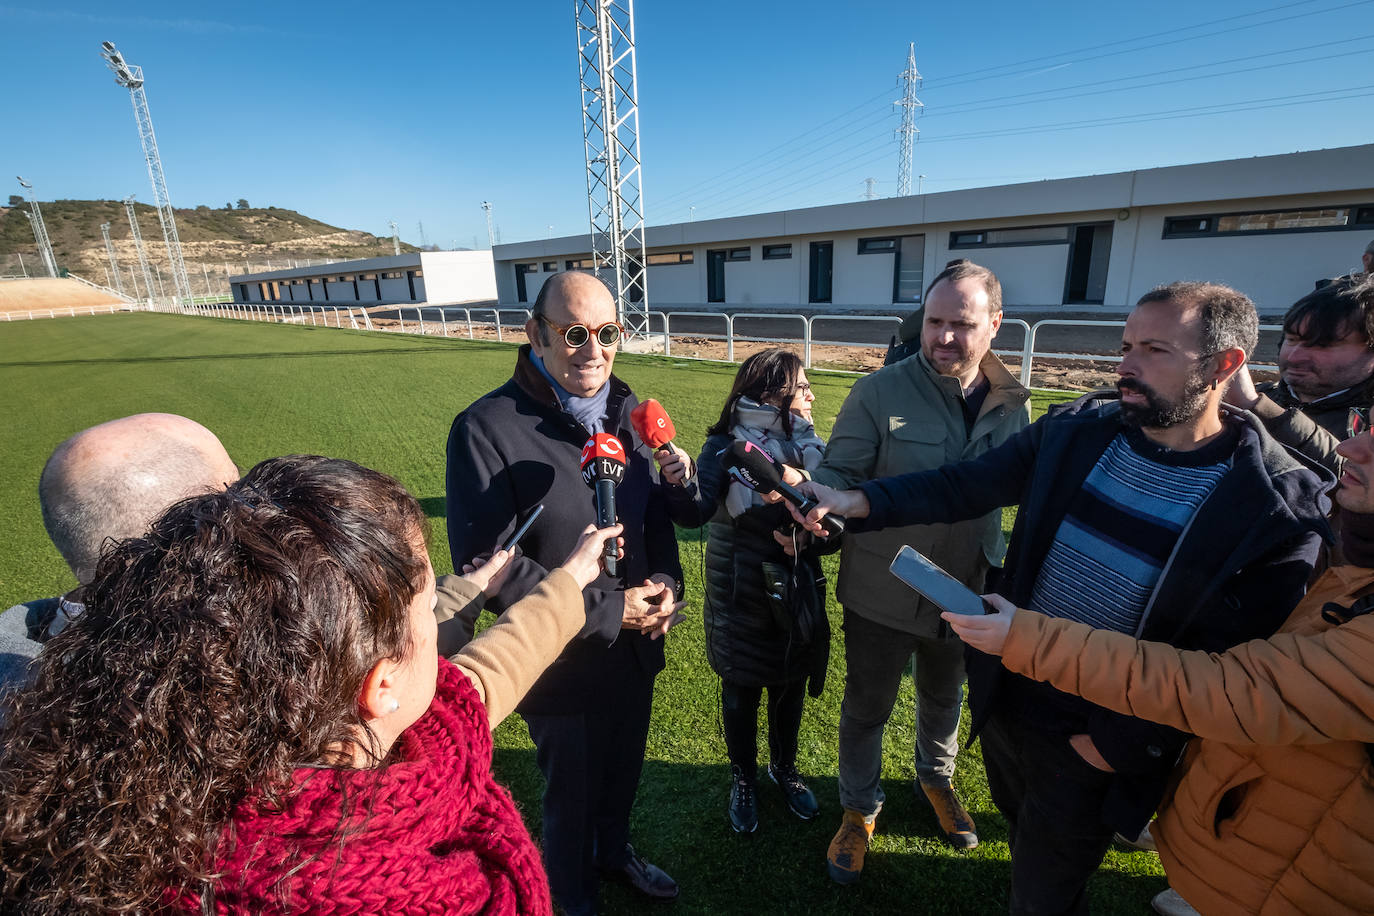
<point>603,457</point>
<point>653,424</point>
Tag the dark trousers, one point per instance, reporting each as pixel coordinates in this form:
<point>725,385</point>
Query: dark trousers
<point>591,764</point>
<point>1052,800</point>
<point>740,714</point>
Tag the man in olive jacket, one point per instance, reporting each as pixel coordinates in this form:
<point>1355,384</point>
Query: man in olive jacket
<point>952,400</point>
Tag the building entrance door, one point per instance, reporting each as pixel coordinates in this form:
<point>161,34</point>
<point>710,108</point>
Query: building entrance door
<point>822,271</point>
<point>1090,246</point>
<point>520,271</point>
<point>715,276</point>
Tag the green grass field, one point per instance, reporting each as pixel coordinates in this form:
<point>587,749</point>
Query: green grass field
<point>387,401</point>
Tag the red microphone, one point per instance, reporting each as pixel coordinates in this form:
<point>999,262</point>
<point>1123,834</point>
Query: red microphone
<point>603,469</point>
<point>653,424</point>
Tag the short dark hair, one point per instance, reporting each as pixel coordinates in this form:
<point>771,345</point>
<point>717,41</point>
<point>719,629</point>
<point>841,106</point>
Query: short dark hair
<point>768,374</point>
<point>964,269</point>
<point>1229,320</point>
<point>1326,315</point>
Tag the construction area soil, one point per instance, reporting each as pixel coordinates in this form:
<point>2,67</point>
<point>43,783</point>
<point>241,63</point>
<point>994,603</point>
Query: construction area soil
<point>48,293</point>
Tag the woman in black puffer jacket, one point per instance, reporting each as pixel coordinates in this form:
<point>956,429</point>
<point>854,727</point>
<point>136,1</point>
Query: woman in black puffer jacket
<point>764,615</point>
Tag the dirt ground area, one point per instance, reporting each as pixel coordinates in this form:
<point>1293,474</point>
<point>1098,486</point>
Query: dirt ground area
<point>49,293</point>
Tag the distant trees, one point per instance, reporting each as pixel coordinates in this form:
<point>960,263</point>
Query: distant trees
<point>242,204</point>
<point>15,200</point>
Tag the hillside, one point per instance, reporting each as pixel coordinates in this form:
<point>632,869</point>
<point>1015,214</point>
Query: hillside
<point>210,239</point>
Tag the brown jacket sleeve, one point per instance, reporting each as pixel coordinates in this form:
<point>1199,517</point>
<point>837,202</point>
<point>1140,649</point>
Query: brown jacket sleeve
<point>457,607</point>
<point>506,659</point>
<point>1290,689</point>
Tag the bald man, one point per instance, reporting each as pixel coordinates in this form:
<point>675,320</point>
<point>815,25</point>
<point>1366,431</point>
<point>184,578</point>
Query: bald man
<point>107,483</point>
<point>519,447</point>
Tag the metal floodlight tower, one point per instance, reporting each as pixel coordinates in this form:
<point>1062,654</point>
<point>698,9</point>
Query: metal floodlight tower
<point>131,78</point>
<point>138,249</point>
<point>911,80</point>
<point>491,233</point>
<point>40,230</point>
<point>610,133</point>
<point>114,263</point>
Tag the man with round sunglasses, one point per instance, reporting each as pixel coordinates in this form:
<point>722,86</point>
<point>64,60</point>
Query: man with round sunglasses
<point>519,447</point>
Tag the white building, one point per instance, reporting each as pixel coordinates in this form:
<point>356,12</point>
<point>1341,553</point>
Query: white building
<point>438,277</point>
<point>1269,226</point>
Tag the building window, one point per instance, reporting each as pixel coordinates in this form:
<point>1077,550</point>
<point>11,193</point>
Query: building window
<point>669,257</point>
<point>1006,238</point>
<point>777,252</point>
<point>1309,219</point>
<point>550,267</point>
<point>418,274</point>
<point>737,254</point>
<point>528,268</point>
<point>877,246</point>
<point>580,264</point>
<point>367,276</point>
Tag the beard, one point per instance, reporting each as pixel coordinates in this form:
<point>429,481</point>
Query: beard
<point>1160,413</point>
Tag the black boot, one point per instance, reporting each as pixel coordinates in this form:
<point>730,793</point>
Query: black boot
<point>744,813</point>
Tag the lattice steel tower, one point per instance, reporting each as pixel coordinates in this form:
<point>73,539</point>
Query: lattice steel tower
<point>139,249</point>
<point>40,230</point>
<point>131,78</point>
<point>610,133</point>
<point>911,81</point>
<point>114,262</point>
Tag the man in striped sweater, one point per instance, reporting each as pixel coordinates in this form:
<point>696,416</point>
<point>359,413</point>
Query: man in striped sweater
<point>1159,514</point>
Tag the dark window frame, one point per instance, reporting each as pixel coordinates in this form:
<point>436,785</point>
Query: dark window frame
<point>771,252</point>
<point>1214,219</point>
<point>733,254</point>
<point>956,245</point>
<point>550,267</point>
<point>683,257</point>
<point>865,243</point>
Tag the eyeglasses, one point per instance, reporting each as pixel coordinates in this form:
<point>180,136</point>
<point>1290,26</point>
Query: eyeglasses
<point>1357,421</point>
<point>577,335</point>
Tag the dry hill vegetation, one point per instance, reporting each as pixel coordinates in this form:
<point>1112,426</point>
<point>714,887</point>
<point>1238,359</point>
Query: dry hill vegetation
<point>209,237</point>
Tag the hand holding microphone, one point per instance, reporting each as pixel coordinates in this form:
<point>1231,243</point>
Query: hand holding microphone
<point>603,469</point>
<point>759,471</point>
<point>655,429</point>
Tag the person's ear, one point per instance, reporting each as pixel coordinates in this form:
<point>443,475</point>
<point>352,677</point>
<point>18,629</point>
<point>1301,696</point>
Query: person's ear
<point>1228,364</point>
<point>379,698</point>
<point>535,334</point>
<point>996,322</point>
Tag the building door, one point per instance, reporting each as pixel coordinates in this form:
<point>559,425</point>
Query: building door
<point>822,271</point>
<point>715,276</point>
<point>1090,246</point>
<point>520,294</point>
<point>908,269</point>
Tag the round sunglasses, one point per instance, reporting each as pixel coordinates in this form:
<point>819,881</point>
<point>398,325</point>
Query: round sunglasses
<point>576,335</point>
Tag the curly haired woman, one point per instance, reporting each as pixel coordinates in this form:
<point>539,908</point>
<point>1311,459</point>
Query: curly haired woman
<point>251,717</point>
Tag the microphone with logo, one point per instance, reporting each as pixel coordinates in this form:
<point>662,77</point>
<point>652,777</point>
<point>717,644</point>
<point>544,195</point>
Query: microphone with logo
<point>759,471</point>
<point>603,469</point>
<point>653,424</point>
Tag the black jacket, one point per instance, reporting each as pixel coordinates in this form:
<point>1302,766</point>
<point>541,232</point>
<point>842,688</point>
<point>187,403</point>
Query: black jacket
<point>515,448</point>
<point>764,612</point>
<point>1238,569</point>
<point>1331,414</point>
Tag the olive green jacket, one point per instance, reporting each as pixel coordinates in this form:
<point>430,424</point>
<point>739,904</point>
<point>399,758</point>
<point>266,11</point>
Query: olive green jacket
<point>907,417</point>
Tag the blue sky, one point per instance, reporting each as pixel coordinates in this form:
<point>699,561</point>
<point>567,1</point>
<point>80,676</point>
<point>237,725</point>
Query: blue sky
<point>358,113</point>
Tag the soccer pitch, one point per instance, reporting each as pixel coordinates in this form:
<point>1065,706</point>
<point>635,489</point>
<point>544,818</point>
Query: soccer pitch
<point>387,401</point>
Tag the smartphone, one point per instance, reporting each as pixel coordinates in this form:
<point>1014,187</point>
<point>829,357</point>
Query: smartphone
<point>934,584</point>
<point>520,532</point>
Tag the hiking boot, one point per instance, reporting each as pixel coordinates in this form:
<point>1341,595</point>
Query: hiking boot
<point>744,813</point>
<point>799,798</point>
<point>954,819</point>
<point>845,858</point>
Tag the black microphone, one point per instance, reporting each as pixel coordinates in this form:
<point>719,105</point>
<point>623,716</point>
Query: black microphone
<point>603,469</point>
<point>759,471</point>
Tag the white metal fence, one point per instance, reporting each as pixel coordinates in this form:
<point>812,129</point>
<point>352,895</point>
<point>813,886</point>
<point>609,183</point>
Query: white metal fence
<point>461,321</point>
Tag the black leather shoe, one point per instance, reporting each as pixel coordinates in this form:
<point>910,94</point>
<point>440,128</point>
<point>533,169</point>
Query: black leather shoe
<point>799,798</point>
<point>744,813</point>
<point>645,877</point>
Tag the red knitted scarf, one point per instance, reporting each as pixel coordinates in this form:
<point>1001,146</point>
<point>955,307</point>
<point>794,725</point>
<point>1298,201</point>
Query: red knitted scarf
<point>431,833</point>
